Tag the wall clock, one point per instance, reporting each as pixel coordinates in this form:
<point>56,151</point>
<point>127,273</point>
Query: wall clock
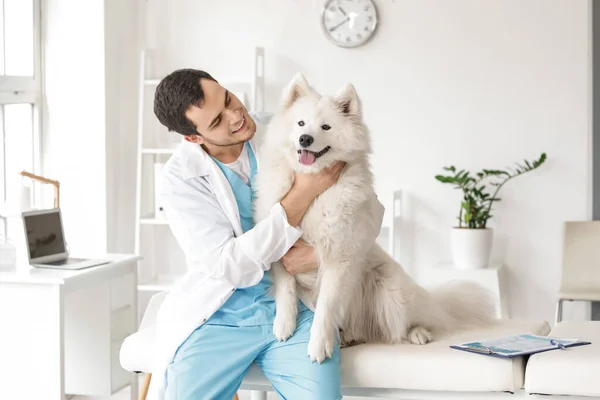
<point>349,23</point>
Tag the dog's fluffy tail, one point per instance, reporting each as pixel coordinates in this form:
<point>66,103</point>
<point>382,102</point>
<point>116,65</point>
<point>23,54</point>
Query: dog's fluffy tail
<point>460,305</point>
<point>398,303</point>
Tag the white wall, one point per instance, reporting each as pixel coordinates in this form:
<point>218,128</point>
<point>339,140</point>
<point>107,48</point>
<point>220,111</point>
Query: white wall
<point>74,141</point>
<point>91,69</point>
<point>478,84</point>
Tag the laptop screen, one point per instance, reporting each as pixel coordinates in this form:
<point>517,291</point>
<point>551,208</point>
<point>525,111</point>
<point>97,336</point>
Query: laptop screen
<point>44,234</point>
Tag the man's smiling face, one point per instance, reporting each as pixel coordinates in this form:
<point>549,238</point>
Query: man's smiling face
<point>221,120</point>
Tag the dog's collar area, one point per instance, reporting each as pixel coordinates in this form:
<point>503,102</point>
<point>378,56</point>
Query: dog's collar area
<point>316,154</point>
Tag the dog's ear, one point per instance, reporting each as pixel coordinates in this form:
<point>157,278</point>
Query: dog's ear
<point>297,88</point>
<point>347,101</point>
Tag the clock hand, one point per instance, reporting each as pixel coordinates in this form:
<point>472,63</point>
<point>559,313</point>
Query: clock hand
<point>340,24</point>
<point>342,10</point>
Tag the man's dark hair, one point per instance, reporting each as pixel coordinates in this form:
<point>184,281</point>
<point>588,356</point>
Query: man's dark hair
<point>175,94</point>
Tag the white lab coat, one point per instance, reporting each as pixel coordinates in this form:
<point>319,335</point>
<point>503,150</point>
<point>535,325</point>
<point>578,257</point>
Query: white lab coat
<point>204,219</point>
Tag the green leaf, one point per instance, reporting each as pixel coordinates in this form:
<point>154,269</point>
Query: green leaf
<point>495,172</point>
<point>541,160</point>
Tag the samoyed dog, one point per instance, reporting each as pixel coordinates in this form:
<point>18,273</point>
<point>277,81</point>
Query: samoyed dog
<point>358,288</point>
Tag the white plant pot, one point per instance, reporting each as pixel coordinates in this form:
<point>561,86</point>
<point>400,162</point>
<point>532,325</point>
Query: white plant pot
<point>471,248</point>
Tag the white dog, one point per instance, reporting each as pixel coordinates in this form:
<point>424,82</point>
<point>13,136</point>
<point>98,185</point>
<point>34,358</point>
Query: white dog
<point>358,287</point>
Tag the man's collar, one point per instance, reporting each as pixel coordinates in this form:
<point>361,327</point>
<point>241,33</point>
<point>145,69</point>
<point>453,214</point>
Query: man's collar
<point>195,161</point>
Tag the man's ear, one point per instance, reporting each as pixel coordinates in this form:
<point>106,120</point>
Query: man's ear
<point>347,101</point>
<point>297,88</point>
<point>197,139</point>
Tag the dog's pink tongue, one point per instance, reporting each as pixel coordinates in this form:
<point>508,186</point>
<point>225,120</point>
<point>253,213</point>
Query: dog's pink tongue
<point>307,158</point>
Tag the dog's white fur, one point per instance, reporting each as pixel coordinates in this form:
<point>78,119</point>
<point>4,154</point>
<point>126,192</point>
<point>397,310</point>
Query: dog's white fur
<point>358,286</point>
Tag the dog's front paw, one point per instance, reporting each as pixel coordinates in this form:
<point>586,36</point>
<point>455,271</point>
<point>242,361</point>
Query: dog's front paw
<point>320,345</point>
<point>284,326</point>
<point>419,335</point>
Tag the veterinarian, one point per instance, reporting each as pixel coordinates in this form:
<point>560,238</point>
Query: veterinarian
<point>218,319</point>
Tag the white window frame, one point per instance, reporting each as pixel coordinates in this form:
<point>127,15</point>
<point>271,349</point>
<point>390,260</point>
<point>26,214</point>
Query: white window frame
<point>25,89</point>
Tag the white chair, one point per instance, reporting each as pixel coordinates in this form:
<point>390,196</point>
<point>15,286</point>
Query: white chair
<point>134,354</point>
<point>580,277</point>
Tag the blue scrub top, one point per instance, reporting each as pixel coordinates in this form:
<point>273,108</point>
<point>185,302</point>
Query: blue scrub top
<point>250,306</point>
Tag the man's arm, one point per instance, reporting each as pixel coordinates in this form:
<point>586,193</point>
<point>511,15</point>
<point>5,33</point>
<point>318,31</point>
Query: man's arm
<point>207,239</point>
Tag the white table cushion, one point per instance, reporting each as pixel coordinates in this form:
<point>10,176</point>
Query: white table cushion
<point>433,366</point>
<point>575,371</point>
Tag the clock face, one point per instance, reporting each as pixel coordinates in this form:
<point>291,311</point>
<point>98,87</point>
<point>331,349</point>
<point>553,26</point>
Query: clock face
<point>349,23</point>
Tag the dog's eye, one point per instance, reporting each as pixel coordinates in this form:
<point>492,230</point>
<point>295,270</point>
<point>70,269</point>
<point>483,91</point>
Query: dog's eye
<point>301,123</point>
<point>326,127</point>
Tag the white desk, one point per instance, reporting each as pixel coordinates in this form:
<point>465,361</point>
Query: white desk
<point>61,331</point>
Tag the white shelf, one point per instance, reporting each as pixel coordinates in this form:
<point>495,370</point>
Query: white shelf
<point>150,219</point>
<point>160,284</point>
<point>164,150</point>
<point>151,81</point>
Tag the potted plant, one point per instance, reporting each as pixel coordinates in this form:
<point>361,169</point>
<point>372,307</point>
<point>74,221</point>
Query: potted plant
<point>471,240</point>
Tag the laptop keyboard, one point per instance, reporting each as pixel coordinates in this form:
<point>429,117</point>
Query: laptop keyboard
<point>65,262</point>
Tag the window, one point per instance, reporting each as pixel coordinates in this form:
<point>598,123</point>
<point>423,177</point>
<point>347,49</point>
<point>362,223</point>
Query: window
<point>20,92</point>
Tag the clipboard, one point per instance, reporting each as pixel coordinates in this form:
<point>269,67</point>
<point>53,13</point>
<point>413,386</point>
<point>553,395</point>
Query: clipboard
<point>518,345</point>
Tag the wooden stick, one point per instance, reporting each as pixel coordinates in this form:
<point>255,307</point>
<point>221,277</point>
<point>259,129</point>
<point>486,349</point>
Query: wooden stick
<point>145,387</point>
<point>42,179</point>
<point>39,178</point>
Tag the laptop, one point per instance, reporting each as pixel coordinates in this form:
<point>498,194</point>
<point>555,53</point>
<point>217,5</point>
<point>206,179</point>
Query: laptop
<point>46,245</point>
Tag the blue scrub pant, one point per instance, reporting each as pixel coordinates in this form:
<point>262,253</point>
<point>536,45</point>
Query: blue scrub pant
<point>213,361</point>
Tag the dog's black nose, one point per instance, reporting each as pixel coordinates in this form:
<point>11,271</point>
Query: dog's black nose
<point>306,140</point>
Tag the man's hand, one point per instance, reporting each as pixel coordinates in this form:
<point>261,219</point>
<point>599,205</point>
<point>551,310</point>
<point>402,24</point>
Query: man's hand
<point>300,258</point>
<point>305,188</point>
<point>313,184</point>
